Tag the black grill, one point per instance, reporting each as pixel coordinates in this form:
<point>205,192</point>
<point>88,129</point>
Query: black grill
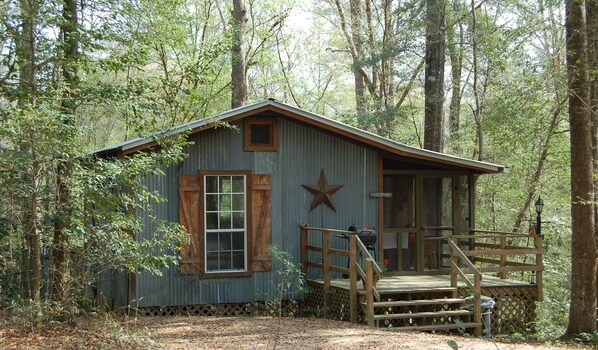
<point>367,234</point>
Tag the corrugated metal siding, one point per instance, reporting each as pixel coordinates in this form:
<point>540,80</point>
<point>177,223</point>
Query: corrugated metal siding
<point>114,284</point>
<point>303,152</point>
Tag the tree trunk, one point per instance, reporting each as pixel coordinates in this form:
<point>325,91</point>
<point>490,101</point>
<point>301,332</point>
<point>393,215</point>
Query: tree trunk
<point>582,311</point>
<point>434,75</point>
<point>479,106</point>
<point>238,76</point>
<point>35,241</point>
<point>356,35</point>
<point>70,44</point>
<point>592,28</point>
<point>27,90</point>
<point>387,89</point>
<point>455,42</point>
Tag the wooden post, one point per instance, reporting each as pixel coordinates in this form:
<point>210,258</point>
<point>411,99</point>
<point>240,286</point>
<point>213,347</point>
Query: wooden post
<point>304,253</point>
<point>353,278</point>
<point>453,270</point>
<point>326,272</point>
<point>369,284</point>
<point>503,257</point>
<point>538,243</point>
<point>477,305</point>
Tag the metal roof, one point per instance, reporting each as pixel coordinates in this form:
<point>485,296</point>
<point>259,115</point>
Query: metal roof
<point>332,125</point>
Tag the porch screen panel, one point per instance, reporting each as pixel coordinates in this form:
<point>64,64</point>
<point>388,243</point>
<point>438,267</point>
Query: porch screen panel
<point>400,244</point>
<point>464,212</point>
<point>225,223</point>
<point>438,220</point>
<point>464,203</point>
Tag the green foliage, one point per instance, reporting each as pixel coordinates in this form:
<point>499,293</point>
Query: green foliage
<point>453,344</point>
<point>289,280</point>
<point>102,227</point>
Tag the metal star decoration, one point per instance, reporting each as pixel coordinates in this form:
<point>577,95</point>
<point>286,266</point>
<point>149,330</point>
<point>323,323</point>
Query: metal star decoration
<point>322,192</point>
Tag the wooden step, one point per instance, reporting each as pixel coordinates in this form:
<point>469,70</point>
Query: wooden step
<point>422,314</point>
<point>411,291</point>
<point>436,327</point>
<point>417,302</point>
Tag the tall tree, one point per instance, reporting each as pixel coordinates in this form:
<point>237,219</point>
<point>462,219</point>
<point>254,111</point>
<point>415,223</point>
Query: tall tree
<point>238,72</point>
<point>592,25</point>
<point>582,311</point>
<point>26,54</point>
<point>434,75</point>
<point>357,39</point>
<point>455,46</point>
<point>69,82</point>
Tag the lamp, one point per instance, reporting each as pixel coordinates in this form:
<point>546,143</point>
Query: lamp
<point>539,206</point>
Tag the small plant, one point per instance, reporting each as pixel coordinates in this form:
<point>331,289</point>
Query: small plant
<point>462,329</point>
<point>453,344</point>
<point>517,336</point>
<point>591,338</point>
<point>289,279</point>
<point>384,267</point>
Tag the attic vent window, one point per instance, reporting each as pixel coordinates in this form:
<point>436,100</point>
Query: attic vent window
<point>261,135</point>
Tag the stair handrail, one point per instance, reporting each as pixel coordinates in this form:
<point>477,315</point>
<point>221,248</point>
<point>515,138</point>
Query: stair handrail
<point>475,288</point>
<point>371,269</point>
<point>356,247</point>
<point>366,254</point>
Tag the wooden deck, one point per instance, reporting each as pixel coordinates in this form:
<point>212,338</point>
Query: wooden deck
<point>427,302</point>
<point>404,284</point>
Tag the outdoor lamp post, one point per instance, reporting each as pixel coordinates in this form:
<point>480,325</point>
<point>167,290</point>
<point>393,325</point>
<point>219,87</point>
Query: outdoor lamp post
<point>539,206</point>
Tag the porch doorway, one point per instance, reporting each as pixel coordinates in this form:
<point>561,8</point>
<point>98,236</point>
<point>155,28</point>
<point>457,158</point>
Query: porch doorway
<point>420,212</point>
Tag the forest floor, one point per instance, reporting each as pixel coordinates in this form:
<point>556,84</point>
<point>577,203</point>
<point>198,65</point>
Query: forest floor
<point>237,333</point>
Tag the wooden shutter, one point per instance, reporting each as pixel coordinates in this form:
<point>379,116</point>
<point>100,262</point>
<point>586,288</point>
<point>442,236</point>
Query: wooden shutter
<point>190,218</point>
<point>260,222</point>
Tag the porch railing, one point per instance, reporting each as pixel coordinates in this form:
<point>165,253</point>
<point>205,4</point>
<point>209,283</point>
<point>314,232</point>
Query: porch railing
<point>457,255</point>
<point>486,252</point>
<point>360,263</point>
<point>504,253</point>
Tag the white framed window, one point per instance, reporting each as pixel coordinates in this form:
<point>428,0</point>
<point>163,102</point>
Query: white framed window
<point>225,223</point>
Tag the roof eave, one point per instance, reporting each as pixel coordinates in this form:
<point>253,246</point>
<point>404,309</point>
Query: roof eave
<point>319,120</point>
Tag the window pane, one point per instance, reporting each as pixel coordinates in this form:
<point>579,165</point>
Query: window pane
<point>225,221</point>
<point>212,242</point>
<point>238,184</point>
<point>226,262</point>
<point>239,220</point>
<point>225,241</point>
<point>238,260</point>
<point>225,184</point>
<point>225,205</point>
<point>212,262</point>
<point>238,202</point>
<point>211,184</point>
<point>238,241</point>
<point>225,202</point>
<point>212,202</point>
<point>212,221</point>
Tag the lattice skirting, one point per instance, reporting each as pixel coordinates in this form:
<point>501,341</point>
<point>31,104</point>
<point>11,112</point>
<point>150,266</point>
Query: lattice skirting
<point>515,310</point>
<point>339,303</point>
<point>257,308</point>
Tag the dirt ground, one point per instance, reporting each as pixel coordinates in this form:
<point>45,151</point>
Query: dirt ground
<point>236,333</point>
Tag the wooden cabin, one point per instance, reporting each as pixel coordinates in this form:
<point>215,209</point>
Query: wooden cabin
<point>282,175</point>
